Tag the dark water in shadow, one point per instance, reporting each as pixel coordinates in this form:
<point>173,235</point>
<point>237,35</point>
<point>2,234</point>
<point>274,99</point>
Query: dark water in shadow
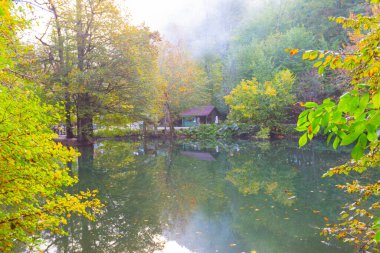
<point>264,197</point>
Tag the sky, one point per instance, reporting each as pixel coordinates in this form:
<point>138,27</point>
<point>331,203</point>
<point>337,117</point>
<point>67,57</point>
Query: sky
<point>156,14</point>
<point>195,22</point>
<point>159,14</point>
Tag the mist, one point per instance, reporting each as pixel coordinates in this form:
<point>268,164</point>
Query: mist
<point>207,27</point>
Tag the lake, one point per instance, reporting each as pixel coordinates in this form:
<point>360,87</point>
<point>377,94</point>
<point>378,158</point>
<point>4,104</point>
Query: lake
<point>252,197</point>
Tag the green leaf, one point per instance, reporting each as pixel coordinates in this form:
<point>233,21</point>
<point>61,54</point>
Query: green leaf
<point>358,150</point>
<point>301,121</point>
<point>328,103</point>
<point>375,119</point>
<point>363,140</point>
<point>350,138</point>
<point>336,116</point>
<point>371,133</point>
<point>310,105</point>
<point>303,114</point>
<point>316,130</point>
<point>364,100</point>
<point>336,142</point>
<point>301,128</point>
<point>306,55</point>
<point>376,101</point>
<point>313,55</point>
<point>329,138</point>
<point>303,140</point>
<point>325,120</point>
<point>345,103</point>
<point>321,70</point>
<point>377,236</point>
<point>317,64</point>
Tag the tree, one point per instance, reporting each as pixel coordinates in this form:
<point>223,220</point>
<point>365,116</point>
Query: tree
<point>109,65</point>
<point>184,83</point>
<point>213,66</point>
<point>265,103</point>
<point>353,119</point>
<point>33,169</point>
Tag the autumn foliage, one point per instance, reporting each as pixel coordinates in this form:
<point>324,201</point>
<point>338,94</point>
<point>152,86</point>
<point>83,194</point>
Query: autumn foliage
<point>352,121</point>
<point>33,168</point>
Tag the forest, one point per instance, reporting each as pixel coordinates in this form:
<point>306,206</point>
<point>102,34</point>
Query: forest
<point>271,69</point>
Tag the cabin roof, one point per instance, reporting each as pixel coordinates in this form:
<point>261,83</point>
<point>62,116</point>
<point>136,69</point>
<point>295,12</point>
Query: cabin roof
<point>198,111</point>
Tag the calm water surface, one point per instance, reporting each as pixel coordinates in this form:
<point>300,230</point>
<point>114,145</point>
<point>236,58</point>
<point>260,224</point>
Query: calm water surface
<point>264,197</point>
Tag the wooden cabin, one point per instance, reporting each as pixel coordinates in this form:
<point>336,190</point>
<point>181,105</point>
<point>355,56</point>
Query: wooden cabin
<point>200,115</point>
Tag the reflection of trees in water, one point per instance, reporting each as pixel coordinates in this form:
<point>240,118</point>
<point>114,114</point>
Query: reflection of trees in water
<point>283,199</point>
<point>130,220</point>
<point>152,189</point>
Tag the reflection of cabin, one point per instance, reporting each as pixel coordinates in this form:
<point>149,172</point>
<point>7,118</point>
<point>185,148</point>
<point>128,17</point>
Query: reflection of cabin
<point>195,151</point>
<point>202,156</point>
<point>200,115</point>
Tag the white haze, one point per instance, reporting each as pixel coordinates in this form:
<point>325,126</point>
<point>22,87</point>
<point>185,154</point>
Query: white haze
<point>201,25</point>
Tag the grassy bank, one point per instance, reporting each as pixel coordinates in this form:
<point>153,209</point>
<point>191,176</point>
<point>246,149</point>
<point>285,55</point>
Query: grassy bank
<point>206,132</point>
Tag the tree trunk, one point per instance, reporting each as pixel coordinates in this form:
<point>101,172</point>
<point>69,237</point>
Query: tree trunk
<point>144,129</point>
<point>168,119</point>
<point>62,69</point>
<point>84,110</point>
<point>69,126</point>
<point>84,119</point>
<point>172,130</point>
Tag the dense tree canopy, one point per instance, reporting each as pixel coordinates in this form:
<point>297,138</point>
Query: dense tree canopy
<point>264,104</point>
<point>255,47</point>
<point>184,82</point>
<point>33,169</point>
<point>99,63</point>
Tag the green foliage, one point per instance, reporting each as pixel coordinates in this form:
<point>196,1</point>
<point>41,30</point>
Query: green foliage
<point>353,120</point>
<point>33,170</point>
<point>100,64</point>
<point>263,58</point>
<point>206,132</point>
<point>264,133</point>
<point>285,130</point>
<point>214,69</point>
<point>255,47</point>
<point>184,82</point>
<point>263,104</point>
<point>110,132</point>
<point>221,131</point>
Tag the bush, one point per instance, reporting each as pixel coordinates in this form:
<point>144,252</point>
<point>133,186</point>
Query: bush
<point>224,131</point>
<point>264,133</point>
<point>115,132</point>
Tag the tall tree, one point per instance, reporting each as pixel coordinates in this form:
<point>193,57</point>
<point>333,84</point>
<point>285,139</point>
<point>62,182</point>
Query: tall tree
<point>184,82</point>
<point>214,68</point>
<point>109,62</point>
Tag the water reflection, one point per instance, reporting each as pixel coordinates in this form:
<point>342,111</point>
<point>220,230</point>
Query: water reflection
<point>241,197</point>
